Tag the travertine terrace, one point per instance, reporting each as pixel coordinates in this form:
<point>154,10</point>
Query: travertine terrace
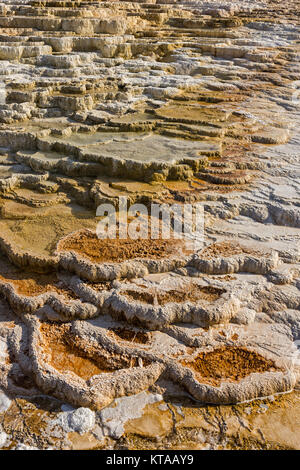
<point>134,344</point>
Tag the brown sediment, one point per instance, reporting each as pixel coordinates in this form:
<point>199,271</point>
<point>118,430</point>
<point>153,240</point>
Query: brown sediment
<point>99,286</point>
<point>65,357</point>
<point>131,335</point>
<point>191,293</point>
<point>199,186</point>
<point>228,363</point>
<point>234,177</point>
<point>226,277</point>
<point>191,111</point>
<point>233,151</point>
<point>145,297</point>
<point>87,244</point>
<point>204,96</point>
<point>67,352</point>
<point>24,381</point>
<point>31,283</point>
<point>35,415</point>
<point>226,248</point>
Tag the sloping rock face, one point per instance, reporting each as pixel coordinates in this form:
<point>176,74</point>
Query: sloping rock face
<point>121,343</point>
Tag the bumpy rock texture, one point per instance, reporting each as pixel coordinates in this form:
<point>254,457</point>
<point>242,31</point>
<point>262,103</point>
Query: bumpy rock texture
<point>134,344</point>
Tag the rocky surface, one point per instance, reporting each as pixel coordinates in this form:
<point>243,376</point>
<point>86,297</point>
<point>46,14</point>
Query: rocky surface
<point>145,345</point>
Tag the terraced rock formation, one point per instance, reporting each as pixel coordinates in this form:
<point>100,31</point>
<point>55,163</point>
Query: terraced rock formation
<point>123,343</point>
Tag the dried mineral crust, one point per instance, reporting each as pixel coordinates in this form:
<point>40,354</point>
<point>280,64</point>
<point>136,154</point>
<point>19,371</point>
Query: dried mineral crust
<point>144,344</point>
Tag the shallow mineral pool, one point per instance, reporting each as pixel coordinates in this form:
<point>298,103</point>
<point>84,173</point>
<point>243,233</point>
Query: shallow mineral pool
<point>141,147</point>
